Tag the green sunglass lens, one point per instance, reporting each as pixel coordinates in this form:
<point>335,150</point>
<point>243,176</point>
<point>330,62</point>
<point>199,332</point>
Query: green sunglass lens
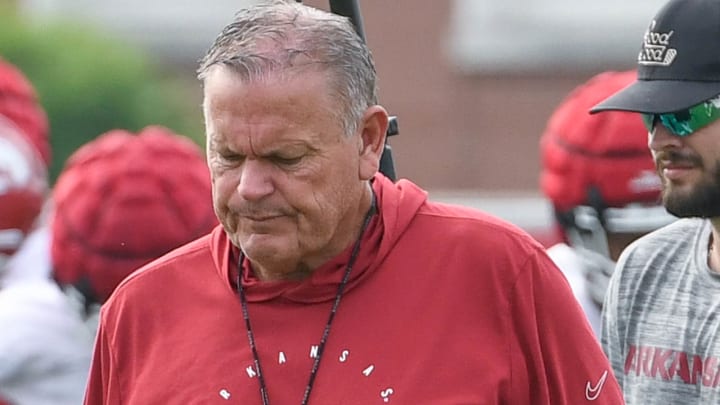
<point>648,121</point>
<point>685,122</point>
<point>676,124</point>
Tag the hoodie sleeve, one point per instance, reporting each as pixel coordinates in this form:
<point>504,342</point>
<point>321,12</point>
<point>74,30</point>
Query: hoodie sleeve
<point>556,358</point>
<point>102,387</point>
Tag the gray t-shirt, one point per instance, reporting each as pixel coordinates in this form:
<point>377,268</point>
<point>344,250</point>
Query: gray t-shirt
<point>661,319</point>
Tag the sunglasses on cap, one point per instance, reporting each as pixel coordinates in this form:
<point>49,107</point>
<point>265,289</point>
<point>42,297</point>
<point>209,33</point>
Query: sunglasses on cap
<point>685,122</point>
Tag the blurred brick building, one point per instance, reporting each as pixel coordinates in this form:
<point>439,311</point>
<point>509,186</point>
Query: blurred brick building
<point>471,81</point>
<point>473,120</point>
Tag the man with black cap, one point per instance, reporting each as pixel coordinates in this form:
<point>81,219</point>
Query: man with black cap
<point>661,328</point>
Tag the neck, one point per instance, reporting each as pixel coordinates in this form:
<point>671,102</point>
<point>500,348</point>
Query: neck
<point>263,273</point>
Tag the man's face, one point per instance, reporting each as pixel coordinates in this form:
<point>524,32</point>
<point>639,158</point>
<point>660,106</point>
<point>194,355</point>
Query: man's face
<point>285,177</point>
<point>690,170</point>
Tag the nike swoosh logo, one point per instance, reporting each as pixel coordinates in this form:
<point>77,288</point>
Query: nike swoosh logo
<point>592,393</point>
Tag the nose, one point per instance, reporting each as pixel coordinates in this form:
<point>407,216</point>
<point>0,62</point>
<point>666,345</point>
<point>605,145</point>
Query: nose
<point>256,180</point>
<point>661,138</point>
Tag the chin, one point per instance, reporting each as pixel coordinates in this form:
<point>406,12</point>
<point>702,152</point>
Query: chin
<point>263,248</point>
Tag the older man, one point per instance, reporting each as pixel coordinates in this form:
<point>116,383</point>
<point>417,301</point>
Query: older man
<point>327,283</point>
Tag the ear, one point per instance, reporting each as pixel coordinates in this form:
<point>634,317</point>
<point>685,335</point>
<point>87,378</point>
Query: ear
<point>373,129</point>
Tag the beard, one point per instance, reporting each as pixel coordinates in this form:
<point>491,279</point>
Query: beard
<point>702,201</point>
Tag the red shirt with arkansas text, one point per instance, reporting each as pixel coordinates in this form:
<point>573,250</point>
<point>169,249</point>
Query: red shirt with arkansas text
<point>445,305</point>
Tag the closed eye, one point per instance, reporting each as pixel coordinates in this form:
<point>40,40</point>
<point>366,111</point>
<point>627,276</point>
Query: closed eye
<point>287,161</point>
<point>231,157</point>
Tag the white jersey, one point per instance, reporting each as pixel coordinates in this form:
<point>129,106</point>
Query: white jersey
<point>32,260</point>
<point>571,264</point>
<point>45,347</point>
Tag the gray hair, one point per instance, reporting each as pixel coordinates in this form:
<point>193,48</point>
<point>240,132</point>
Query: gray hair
<point>280,36</point>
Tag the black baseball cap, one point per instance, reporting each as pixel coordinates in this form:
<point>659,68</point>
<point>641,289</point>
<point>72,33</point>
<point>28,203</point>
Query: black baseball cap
<point>678,63</point>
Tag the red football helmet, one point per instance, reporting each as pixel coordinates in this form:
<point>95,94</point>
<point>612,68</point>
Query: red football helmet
<point>19,103</point>
<point>23,188</point>
<point>599,175</point>
<point>123,200</point>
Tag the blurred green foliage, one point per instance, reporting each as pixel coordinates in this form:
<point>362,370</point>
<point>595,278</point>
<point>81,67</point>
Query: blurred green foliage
<point>90,82</point>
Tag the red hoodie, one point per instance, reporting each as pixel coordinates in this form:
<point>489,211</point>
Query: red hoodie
<point>445,305</point>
